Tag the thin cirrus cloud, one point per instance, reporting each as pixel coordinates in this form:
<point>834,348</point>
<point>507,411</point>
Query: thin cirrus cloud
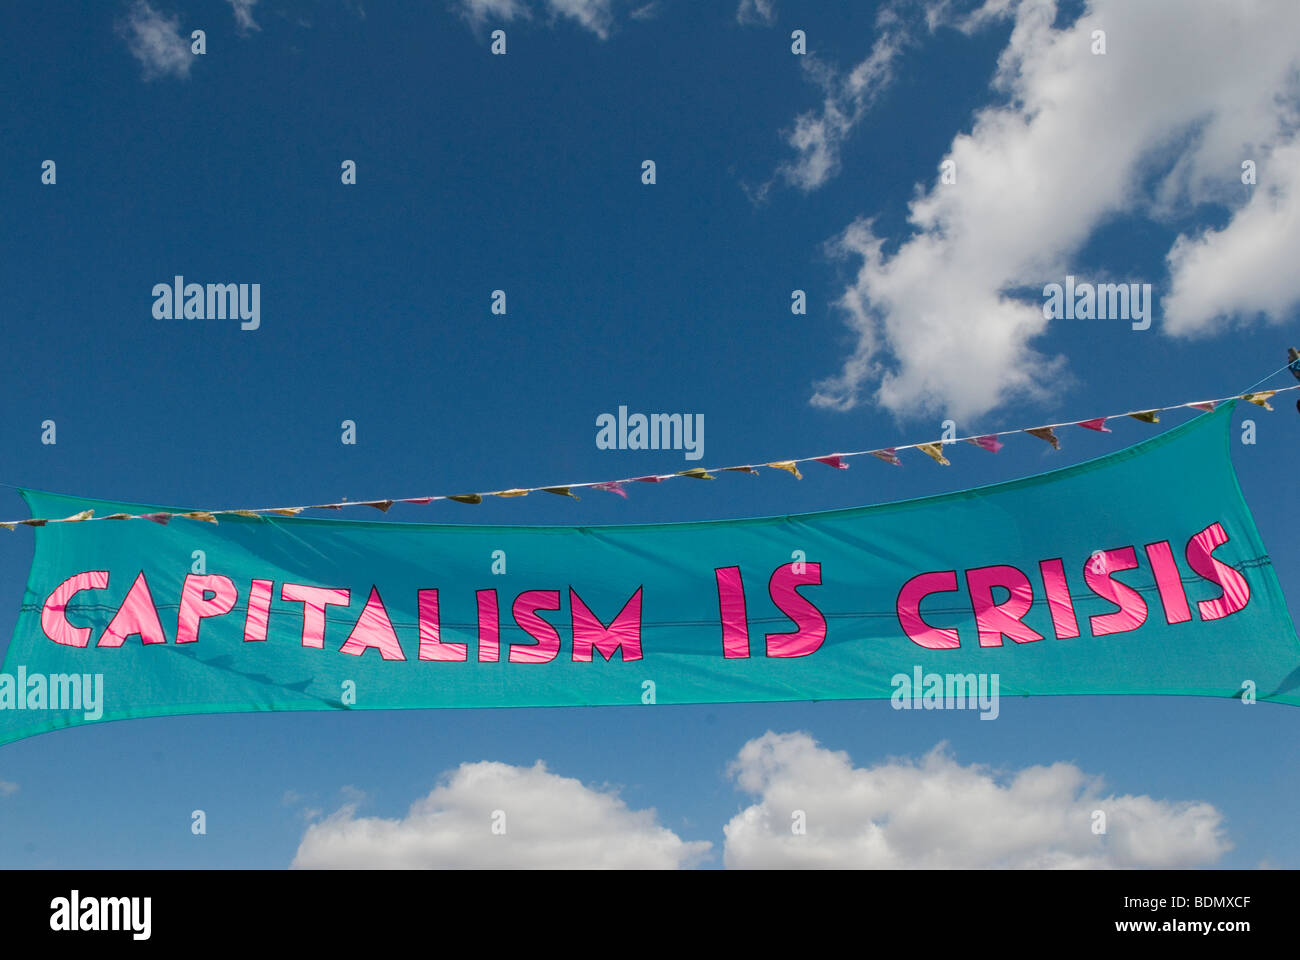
<point>761,12</point>
<point>155,40</point>
<point>933,812</point>
<point>1218,85</point>
<point>545,821</point>
<point>593,15</point>
<point>243,10</point>
<point>938,813</point>
<point>818,136</point>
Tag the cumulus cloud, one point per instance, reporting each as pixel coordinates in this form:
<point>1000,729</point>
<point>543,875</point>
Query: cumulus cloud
<point>594,15</point>
<point>549,821</point>
<point>937,813</point>
<point>156,41</point>
<point>1248,267</point>
<point>1156,125</point>
<point>243,10</point>
<point>757,11</point>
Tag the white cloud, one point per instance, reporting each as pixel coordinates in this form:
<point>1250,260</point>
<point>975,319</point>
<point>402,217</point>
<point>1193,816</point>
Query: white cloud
<point>479,11</point>
<point>8,788</point>
<point>1248,267</point>
<point>156,41</point>
<point>243,10</point>
<point>937,813</point>
<point>594,15</point>
<point>550,822</point>
<point>757,11</point>
<point>818,135</point>
<point>1158,125</point>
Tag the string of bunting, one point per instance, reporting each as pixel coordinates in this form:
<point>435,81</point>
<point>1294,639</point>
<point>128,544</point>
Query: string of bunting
<point>933,449</point>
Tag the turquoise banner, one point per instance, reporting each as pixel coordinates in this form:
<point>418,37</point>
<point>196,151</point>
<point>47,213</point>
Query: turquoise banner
<point>1137,573</point>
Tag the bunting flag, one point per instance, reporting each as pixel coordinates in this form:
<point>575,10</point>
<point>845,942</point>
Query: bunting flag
<point>991,443</point>
<point>934,449</point>
<point>1002,582</point>
<point>1045,433</point>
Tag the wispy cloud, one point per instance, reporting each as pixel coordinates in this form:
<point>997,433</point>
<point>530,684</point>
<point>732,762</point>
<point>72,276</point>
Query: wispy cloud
<point>156,41</point>
<point>596,16</point>
<point>757,11</point>
<point>243,10</point>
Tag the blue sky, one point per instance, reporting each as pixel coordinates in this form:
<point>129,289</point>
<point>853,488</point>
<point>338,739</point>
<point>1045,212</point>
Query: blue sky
<point>522,172</point>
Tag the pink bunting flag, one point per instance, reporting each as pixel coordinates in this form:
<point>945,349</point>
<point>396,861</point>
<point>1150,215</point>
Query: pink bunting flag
<point>990,443</point>
<point>162,518</point>
<point>1207,406</point>
<point>647,479</point>
<point>888,455</point>
<point>417,500</point>
<point>834,460</point>
<point>1098,424</point>
<point>611,486</point>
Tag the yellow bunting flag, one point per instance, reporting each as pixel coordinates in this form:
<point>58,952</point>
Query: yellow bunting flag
<point>1045,433</point>
<point>9,526</point>
<point>466,498</point>
<point>249,513</point>
<point>699,473</point>
<point>1147,416</point>
<point>288,511</point>
<point>516,492</point>
<point>742,470</point>
<point>789,466</point>
<point>199,515</point>
<point>1259,399</point>
<point>935,452</point>
<point>118,516</point>
<point>561,492</point>
<point>83,515</point>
